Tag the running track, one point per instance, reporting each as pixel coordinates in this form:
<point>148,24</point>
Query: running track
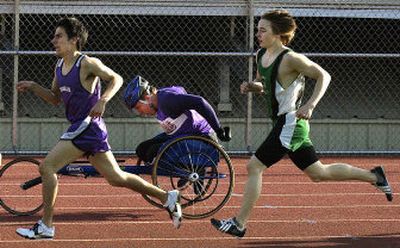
<point>291,212</point>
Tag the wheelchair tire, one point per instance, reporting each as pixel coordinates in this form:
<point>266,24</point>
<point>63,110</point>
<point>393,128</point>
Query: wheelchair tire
<point>200,169</point>
<point>13,198</point>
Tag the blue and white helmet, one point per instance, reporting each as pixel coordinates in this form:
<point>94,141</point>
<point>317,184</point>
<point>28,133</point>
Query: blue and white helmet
<point>134,91</point>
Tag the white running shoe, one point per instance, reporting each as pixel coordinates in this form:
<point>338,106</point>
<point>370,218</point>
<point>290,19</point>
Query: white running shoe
<point>173,207</point>
<point>38,231</point>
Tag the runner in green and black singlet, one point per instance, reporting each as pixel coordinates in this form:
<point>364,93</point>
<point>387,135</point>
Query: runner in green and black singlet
<point>280,77</point>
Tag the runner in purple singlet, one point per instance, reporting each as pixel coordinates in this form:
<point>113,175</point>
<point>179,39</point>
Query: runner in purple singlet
<point>77,84</point>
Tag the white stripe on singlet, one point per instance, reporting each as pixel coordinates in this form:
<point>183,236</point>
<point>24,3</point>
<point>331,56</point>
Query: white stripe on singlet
<point>288,129</point>
<point>82,127</point>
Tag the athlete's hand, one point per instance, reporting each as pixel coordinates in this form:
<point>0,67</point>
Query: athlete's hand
<point>244,87</point>
<point>305,112</point>
<point>98,109</point>
<point>168,126</point>
<point>23,86</point>
<point>247,87</point>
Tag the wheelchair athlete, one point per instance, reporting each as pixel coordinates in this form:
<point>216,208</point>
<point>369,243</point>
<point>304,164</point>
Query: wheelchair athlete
<point>178,113</point>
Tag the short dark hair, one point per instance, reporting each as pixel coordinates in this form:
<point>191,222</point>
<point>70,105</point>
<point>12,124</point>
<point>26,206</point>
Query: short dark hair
<point>74,28</point>
<point>282,23</point>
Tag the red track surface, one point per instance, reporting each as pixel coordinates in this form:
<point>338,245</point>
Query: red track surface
<point>291,212</point>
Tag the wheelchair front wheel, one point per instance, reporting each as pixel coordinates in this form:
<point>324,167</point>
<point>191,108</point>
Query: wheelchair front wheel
<point>200,169</point>
<point>13,198</point>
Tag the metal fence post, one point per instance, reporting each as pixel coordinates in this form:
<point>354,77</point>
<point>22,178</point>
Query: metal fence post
<point>16,64</point>
<point>250,76</point>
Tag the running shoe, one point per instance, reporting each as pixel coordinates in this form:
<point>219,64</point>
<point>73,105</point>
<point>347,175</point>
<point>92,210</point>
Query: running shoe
<point>229,226</point>
<point>382,183</point>
<point>38,231</point>
<point>173,207</point>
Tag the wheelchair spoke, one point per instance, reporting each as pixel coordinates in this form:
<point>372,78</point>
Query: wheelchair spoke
<point>189,155</point>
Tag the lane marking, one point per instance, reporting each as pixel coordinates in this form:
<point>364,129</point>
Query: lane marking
<point>236,182</point>
<point>219,195</point>
<point>291,238</point>
<point>313,221</point>
<point>226,207</point>
<point>235,207</point>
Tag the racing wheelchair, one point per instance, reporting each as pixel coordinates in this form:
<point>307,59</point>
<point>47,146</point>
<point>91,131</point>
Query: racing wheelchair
<point>196,165</point>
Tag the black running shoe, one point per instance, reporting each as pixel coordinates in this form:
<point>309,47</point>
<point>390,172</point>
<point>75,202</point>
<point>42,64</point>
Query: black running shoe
<point>229,226</point>
<point>382,184</point>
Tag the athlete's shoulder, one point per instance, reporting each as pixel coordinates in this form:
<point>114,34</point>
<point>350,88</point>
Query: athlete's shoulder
<point>90,64</point>
<point>292,56</point>
<point>87,60</point>
<point>295,60</point>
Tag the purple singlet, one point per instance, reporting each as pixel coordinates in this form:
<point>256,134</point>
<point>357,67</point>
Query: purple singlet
<point>89,135</point>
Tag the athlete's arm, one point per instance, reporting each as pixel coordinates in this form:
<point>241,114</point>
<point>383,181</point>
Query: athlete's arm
<point>255,86</point>
<point>180,103</point>
<point>94,67</point>
<point>305,66</point>
<point>51,96</point>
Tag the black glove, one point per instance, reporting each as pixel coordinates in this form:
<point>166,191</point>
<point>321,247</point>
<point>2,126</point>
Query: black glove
<point>224,134</point>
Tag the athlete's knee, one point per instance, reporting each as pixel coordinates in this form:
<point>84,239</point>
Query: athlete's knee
<point>117,180</point>
<point>255,166</point>
<point>46,168</point>
<point>316,178</point>
<point>317,172</point>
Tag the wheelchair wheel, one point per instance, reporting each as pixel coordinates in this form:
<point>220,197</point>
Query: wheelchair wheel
<point>200,169</point>
<point>13,198</point>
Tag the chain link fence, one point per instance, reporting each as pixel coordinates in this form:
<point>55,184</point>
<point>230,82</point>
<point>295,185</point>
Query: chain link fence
<point>208,47</point>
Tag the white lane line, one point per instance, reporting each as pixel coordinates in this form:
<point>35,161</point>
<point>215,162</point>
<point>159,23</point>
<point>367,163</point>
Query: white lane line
<point>317,194</point>
<point>320,183</point>
<point>235,207</point>
<point>219,195</point>
<point>323,207</point>
<point>292,238</point>
<point>228,207</point>
<point>308,221</point>
<point>236,183</point>
<point>106,208</point>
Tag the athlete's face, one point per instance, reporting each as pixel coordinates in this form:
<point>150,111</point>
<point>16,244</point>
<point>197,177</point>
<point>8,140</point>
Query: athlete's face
<point>265,36</point>
<point>62,44</point>
<point>145,107</point>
